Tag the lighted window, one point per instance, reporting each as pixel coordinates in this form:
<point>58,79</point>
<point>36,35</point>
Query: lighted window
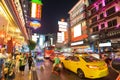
<point>84,23</point>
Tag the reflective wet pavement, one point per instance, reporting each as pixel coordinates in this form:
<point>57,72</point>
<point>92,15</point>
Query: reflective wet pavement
<point>26,76</point>
<point>45,73</point>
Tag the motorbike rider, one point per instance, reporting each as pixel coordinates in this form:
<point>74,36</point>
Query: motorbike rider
<point>56,62</point>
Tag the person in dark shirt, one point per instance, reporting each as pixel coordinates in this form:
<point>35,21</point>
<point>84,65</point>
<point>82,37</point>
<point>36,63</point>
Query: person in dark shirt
<point>30,61</point>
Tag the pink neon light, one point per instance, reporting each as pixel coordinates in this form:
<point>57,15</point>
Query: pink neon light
<point>99,27</point>
<point>96,6</point>
<point>103,2</point>
<point>117,8</point>
<point>105,14</point>
<point>106,25</point>
<point>117,25</point>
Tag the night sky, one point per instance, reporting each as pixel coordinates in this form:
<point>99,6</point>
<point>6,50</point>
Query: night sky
<point>52,11</point>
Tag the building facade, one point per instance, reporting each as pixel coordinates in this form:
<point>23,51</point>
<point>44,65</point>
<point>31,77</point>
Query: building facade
<point>104,25</point>
<point>78,26</point>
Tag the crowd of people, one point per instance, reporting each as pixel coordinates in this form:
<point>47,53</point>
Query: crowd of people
<point>11,64</point>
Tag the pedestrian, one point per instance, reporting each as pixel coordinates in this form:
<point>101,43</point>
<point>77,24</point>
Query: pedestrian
<point>2,57</point>
<point>22,63</point>
<point>10,68</point>
<point>56,62</point>
<point>17,61</point>
<point>30,61</point>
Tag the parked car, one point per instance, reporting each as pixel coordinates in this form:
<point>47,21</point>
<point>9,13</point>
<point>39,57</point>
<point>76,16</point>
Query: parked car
<point>85,65</point>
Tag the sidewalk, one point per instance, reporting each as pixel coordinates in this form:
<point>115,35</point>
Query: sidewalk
<point>27,75</point>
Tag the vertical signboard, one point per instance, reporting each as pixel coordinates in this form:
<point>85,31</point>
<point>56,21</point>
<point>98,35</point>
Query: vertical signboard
<point>36,9</point>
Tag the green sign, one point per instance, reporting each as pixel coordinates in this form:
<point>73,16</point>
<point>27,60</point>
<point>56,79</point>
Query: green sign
<point>37,1</point>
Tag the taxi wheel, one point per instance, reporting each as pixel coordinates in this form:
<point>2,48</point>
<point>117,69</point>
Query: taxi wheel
<point>80,73</point>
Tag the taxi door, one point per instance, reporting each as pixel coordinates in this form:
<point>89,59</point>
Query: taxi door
<point>67,62</point>
<point>74,63</point>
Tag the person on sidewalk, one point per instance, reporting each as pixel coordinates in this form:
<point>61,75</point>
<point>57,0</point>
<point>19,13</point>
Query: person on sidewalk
<point>17,62</point>
<point>30,61</point>
<point>2,57</point>
<point>10,67</point>
<point>22,63</point>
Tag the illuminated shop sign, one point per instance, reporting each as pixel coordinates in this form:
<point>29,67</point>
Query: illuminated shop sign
<point>77,30</point>
<point>35,24</point>
<point>36,10</point>
<point>35,37</point>
<point>19,10</point>
<point>105,44</point>
<point>62,26</point>
<point>77,43</point>
<point>60,37</point>
<point>37,1</point>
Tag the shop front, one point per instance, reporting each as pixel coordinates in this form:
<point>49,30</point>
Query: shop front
<point>10,34</point>
<point>80,47</point>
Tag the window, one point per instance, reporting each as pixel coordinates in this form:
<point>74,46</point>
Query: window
<point>94,19</point>
<point>112,23</point>
<point>75,58</point>
<point>100,5</point>
<point>95,29</point>
<point>90,59</point>
<point>102,26</point>
<point>108,1</point>
<point>101,16</point>
<point>93,10</point>
<point>84,23</point>
<point>110,11</point>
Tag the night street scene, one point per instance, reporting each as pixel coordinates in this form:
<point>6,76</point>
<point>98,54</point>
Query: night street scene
<point>59,39</point>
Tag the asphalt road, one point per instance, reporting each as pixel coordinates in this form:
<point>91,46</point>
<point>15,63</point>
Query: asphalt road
<point>46,74</point>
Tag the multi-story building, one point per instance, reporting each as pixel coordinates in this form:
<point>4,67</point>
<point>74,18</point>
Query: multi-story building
<point>104,24</point>
<point>78,26</point>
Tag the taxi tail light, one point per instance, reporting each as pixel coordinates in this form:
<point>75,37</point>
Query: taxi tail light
<point>92,66</point>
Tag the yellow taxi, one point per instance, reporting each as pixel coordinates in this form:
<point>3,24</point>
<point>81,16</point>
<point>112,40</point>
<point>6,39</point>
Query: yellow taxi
<point>86,66</point>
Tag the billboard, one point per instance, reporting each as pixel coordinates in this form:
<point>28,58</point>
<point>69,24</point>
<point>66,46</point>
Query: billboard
<point>62,26</point>
<point>60,37</point>
<point>77,30</point>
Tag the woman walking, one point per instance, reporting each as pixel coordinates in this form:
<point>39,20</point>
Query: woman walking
<point>10,68</point>
<point>22,63</point>
<point>30,62</point>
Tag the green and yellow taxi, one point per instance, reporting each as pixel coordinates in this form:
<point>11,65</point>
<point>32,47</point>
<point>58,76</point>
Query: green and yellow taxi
<point>86,66</point>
